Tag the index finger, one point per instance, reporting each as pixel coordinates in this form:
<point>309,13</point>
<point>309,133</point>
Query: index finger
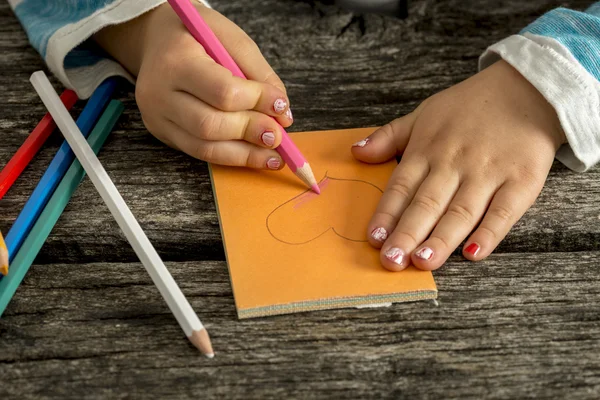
<point>208,81</point>
<point>242,49</point>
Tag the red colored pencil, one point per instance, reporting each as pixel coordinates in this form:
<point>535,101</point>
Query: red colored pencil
<point>32,145</point>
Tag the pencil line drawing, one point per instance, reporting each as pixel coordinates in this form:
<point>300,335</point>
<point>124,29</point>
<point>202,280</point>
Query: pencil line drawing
<point>307,196</point>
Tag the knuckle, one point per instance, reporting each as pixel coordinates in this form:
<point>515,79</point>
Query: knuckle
<point>388,132</point>
<point>461,212</point>
<point>386,218</point>
<point>274,80</point>
<point>204,152</point>
<point>503,213</point>
<point>528,174</point>
<point>141,90</point>
<point>143,93</point>
<point>400,188</point>
<point>442,241</point>
<point>249,131</point>
<point>254,158</point>
<point>427,203</point>
<point>206,126</point>
<point>246,46</point>
<point>409,236</point>
<point>489,232</point>
<point>226,96</point>
<point>249,160</point>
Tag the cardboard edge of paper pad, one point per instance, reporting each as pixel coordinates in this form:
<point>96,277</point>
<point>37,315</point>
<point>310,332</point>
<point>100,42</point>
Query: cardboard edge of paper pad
<point>333,303</point>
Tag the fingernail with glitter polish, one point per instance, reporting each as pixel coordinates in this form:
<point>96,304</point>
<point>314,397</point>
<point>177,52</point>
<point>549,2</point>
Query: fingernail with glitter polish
<point>268,138</point>
<point>379,234</point>
<point>395,255</point>
<point>361,143</point>
<point>473,249</point>
<point>288,114</point>
<point>273,163</point>
<point>426,253</point>
<point>279,106</point>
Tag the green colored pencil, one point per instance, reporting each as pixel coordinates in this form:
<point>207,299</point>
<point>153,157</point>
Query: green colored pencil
<point>59,200</point>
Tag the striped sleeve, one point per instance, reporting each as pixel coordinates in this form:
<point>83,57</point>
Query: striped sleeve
<point>59,30</point>
<point>559,54</point>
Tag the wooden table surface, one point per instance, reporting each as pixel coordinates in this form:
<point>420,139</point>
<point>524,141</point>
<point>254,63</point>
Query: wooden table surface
<point>87,321</point>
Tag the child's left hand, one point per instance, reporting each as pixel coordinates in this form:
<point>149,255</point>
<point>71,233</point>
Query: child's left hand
<point>473,156</point>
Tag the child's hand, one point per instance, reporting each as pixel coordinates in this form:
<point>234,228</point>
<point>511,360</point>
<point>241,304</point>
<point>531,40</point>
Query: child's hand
<point>473,156</point>
<point>193,104</point>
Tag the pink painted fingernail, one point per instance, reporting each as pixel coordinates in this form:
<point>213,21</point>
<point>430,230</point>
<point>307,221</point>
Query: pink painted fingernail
<point>268,138</point>
<point>425,253</point>
<point>473,249</point>
<point>273,163</point>
<point>395,255</point>
<point>288,114</point>
<point>279,105</point>
<point>361,143</point>
<point>379,234</point>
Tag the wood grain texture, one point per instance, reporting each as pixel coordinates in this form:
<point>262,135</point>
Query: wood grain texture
<point>88,323</point>
<point>515,326</point>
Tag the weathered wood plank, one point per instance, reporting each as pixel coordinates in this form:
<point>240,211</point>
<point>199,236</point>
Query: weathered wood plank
<point>382,72</point>
<point>88,323</point>
<point>514,326</point>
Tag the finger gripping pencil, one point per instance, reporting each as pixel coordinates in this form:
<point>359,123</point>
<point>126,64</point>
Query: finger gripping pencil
<point>200,30</point>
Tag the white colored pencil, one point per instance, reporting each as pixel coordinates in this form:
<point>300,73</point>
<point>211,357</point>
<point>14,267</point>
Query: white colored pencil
<point>180,307</point>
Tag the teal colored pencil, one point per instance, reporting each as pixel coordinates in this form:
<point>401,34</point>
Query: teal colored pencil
<point>59,200</point>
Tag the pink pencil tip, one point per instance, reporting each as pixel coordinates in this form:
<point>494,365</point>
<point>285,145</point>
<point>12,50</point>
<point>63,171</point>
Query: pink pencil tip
<point>316,189</point>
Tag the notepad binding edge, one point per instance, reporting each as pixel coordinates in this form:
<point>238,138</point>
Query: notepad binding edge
<point>335,303</point>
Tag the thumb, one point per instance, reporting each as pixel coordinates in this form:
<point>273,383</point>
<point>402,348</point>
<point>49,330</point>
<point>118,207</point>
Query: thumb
<point>386,142</point>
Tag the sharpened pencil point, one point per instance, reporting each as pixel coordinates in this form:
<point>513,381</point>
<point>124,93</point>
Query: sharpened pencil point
<point>306,175</point>
<point>3,257</point>
<point>201,340</point>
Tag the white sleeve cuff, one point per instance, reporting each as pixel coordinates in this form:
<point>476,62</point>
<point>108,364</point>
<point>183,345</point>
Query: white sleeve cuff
<point>85,79</point>
<point>567,86</point>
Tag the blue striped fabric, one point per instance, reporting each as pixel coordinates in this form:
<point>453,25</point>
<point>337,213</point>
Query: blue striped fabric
<point>42,18</point>
<point>578,31</point>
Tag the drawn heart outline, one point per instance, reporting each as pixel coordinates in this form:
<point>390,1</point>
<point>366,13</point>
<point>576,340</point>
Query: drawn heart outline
<point>283,232</point>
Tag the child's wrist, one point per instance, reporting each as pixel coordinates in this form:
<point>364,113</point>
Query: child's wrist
<point>531,101</point>
<point>125,42</point>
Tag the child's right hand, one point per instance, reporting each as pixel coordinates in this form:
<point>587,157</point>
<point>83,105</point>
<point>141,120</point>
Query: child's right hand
<point>193,104</point>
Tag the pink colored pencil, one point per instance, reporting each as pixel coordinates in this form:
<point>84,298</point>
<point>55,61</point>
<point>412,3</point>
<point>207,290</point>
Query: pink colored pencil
<point>205,36</point>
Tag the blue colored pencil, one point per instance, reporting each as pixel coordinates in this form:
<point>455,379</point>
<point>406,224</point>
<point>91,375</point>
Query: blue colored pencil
<point>53,210</point>
<point>56,170</point>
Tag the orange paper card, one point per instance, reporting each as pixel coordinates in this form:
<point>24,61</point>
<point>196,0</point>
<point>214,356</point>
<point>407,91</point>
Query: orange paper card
<point>290,250</point>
